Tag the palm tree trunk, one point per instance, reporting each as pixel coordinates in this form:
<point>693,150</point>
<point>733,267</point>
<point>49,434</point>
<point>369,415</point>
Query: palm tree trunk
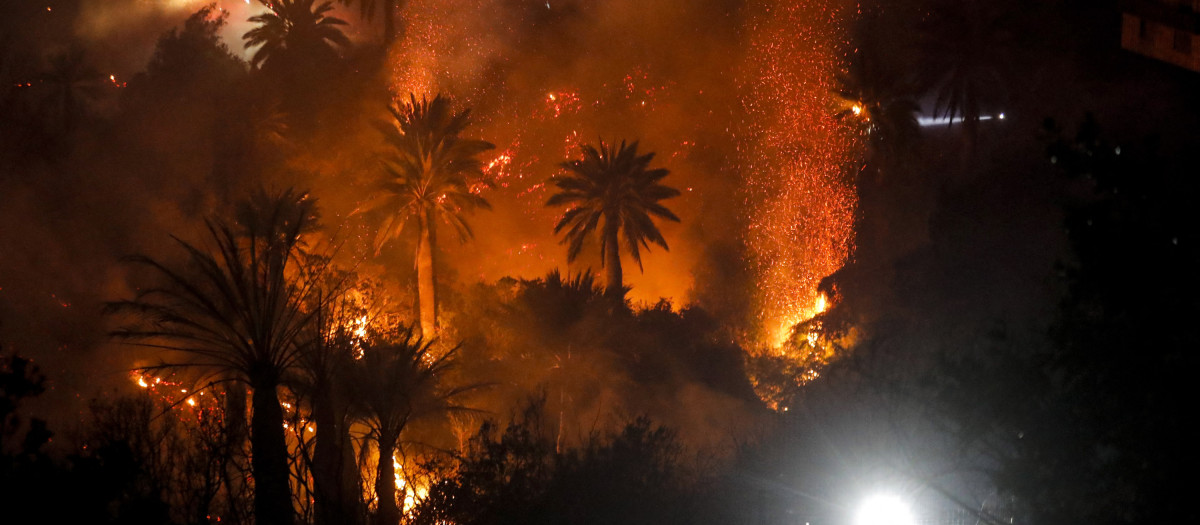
<point>235,441</point>
<point>426,291</point>
<point>268,459</point>
<point>330,500</point>
<point>385,483</point>
<point>612,260</point>
<point>355,507</point>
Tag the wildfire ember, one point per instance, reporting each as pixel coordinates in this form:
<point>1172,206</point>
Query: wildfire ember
<point>801,200</point>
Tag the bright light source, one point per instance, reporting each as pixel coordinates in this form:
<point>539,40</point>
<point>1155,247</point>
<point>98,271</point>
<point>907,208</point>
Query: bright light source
<point>1002,116</point>
<point>884,510</point>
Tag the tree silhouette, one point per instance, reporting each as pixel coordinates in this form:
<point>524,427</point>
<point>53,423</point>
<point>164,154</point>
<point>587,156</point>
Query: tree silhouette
<point>633,474</point>
<point>965,51</point>
<point>295,30</point>
<point>330,346</point>
<point>426,178</point>
<point>20,379</point>
<point>389,8</point>
<point>237,309</point>
<point>71,83</point>
<point>880,98</point>
<point>395,382</point>
<point>613,184</point>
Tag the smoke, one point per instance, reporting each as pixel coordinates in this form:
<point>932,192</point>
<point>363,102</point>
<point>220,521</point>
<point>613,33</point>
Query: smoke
<point>541,79</point>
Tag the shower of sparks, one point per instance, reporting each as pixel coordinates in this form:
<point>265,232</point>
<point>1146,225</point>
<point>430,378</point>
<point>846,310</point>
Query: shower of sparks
<point>797,158</point>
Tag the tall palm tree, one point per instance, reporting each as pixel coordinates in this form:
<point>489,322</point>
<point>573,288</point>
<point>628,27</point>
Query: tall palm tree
<point>295,30</point>
<point>237,309</point>
<point>965,51</point>
<point>395,383</point>
<point>428,175</point>
<point>389,8</point>
<point>616,185</point>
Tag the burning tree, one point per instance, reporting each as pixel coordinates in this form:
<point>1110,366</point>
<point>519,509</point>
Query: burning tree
<point>396,382</point>
<point>237,309</point>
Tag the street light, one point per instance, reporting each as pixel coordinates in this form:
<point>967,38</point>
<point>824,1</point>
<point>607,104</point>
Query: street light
<point>884,510</point>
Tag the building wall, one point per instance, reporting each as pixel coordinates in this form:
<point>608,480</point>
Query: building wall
<point>1166,30</point>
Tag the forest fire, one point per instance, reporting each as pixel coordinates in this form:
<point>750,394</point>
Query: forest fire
<point>342,370</point>
<point>799,159</point>
<point>449,262</point>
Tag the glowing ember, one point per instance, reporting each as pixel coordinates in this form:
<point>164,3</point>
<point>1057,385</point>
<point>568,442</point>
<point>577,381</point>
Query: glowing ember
<point>796,157</point>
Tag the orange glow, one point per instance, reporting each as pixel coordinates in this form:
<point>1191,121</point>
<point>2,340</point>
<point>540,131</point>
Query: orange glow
<point>782,330</point>
<point>410,494</point>
<point>802,200</point>
<point>399,478</point>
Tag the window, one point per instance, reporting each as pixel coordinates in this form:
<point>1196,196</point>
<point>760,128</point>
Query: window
<point>1182,42</point>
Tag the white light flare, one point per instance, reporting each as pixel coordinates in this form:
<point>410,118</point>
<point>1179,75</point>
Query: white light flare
<point>884,510</point>
<point>926,122</point>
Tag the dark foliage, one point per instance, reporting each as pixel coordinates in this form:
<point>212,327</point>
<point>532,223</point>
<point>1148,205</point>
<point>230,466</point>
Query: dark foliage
<point>631,476</point>
<point>592,354</point>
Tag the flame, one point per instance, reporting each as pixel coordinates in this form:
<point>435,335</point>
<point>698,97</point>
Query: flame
<point>782,331</point>
<point>359,335</point>
<point>410,493</point>
<point>801,218</point>
<point>396,469</point>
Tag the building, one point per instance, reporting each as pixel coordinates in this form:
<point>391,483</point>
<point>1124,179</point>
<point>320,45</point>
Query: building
<point>1167,30</point>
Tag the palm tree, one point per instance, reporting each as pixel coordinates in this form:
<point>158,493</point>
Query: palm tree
<point>237,309</point>
<point>880,98</point>
<point>295,30</point>
<point>330,346</point>
<point>72,83</point>
<point>426,178</point>
<point>389,8</point>
<point>965,53</point>
<point>395,383</point>
<point>616,185</point>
